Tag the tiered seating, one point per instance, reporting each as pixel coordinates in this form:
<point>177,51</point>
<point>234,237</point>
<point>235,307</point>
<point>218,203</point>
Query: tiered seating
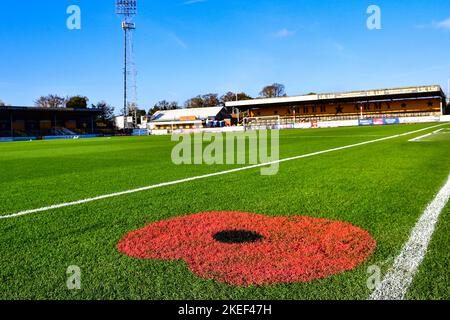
<point>64,132</point>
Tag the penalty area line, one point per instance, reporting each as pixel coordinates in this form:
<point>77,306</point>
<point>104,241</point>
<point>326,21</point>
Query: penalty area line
<point>221,173</point>
<point>421,137</point>
<point>425,136</point>
<point>400,276</point>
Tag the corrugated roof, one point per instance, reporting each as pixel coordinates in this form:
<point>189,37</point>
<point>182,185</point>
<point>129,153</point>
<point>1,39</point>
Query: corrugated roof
<point>424,90</point>
<point>176,115</point>
<point>39,109</point>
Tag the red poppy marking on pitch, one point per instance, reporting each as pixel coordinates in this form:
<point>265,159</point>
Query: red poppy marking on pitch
<point>292,249</point>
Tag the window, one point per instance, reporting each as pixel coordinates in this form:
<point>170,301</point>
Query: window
<point>305,110</point>
<point>314,109</point>
<point>323,108</point>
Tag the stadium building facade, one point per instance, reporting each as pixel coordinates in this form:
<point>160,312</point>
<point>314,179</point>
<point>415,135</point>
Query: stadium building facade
<point>189,119</point>
<point>388,103</point>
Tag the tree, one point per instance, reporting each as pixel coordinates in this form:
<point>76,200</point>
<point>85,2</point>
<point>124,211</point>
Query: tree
<point>2,104</point>
<point>141,113</point>
<point>272,91</point>
<point>196,102</point>
<point>107,111</point>
<point>231,96</point>
<point>211,100</point>
<point>163,106</point>
<point>203,101</point>
<point>50,101</point>
<point>173,106</point>
<point>77,102</point>
<point>134,111</point>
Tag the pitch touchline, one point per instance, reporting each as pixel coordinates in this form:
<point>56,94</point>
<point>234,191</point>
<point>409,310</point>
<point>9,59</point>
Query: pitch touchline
<point>165,184</point>
<point>400,276</point>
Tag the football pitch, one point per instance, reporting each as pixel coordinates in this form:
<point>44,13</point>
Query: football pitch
<point>382,187</point>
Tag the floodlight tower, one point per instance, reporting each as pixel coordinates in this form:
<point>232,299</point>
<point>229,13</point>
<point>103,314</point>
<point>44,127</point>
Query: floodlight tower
<point>128,10</point>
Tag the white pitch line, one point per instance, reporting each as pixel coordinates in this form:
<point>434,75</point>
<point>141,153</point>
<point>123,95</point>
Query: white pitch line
<point>165,184</point>
<point>421,137</point>
<point>400,276</point>
<point>425,136</point>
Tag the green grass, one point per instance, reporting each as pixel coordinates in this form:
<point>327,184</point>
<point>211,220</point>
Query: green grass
<point>381,187</point>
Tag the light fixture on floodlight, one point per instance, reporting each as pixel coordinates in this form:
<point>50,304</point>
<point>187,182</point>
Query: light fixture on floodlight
<point>126,7</point>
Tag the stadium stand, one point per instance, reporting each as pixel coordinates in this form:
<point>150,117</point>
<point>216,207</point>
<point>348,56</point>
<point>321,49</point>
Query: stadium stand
<point>16,122</point>
<point>412,102</point>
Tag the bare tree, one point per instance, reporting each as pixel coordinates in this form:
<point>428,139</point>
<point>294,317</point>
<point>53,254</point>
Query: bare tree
<point>203,101</point>
<point>134,111</point>
<point>196,102</point>
<point>231,96</point>
<point>211,100</point>
<point>162,106</point>
<point>50,101</point>
<point>272,91</point>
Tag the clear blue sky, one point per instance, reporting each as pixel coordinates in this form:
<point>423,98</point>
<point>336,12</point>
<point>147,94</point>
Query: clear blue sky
<point>184,48</point>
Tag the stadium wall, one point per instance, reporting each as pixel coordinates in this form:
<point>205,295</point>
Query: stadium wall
<point>315,124</point>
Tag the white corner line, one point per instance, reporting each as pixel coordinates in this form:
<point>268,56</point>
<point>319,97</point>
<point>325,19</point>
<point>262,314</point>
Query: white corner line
<point>170,183</point>
<point>425,136</point>
<point>400,276</point>
<point>421,137</point>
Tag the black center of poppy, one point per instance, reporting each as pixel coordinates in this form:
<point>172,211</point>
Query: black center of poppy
<point>237,236</point>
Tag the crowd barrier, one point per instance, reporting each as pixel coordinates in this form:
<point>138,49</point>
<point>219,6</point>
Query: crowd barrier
<point>378,121</point>
<point>12,139</point>
<point>81,136</point>
<point>140,132</point>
